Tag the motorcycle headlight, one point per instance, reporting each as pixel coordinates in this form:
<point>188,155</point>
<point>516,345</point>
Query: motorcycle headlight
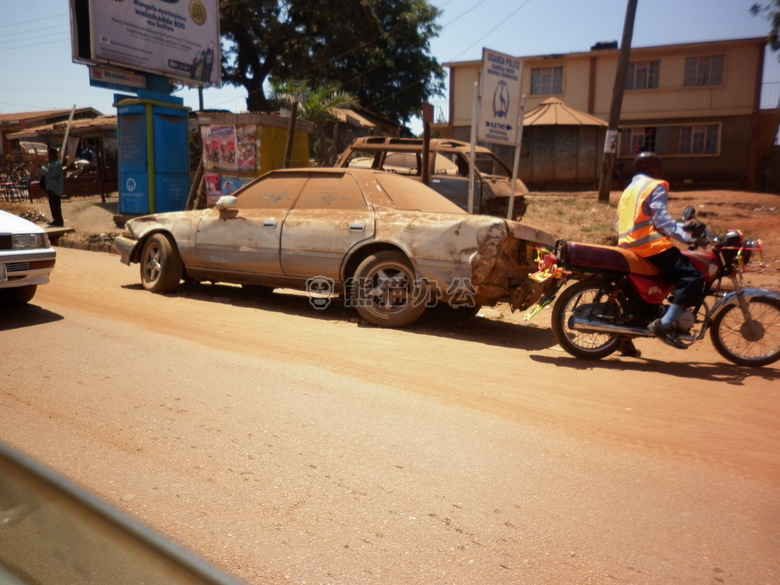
<point>752,258</point>
<point>730,247</point>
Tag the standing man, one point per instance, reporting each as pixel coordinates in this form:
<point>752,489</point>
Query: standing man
<point>646,228</point>
<point>55,188</point>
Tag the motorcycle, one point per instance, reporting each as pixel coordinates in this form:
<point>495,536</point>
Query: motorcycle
<point>613,295</point>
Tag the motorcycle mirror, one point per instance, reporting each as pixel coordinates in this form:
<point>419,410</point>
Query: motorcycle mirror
<point>688,213</point>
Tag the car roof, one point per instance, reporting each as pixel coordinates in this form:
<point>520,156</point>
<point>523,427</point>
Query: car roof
<point>371,181</point>
<point>369,143</point>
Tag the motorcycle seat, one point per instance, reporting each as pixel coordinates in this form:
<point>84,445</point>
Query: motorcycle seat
<point>610,258</point>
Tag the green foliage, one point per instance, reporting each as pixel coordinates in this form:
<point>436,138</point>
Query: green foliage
<point>377,50</point>
<point>315,105</point>
<point>770,9</point>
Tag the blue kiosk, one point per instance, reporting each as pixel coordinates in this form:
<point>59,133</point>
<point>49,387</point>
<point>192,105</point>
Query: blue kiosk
<point>154,169</point>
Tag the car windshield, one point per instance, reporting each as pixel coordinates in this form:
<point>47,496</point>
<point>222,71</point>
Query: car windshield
<point>414,196</point>
<point>490,165</point>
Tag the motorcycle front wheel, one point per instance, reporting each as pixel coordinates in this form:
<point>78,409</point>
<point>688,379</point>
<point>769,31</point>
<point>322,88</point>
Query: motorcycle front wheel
<point>751,342</point>
<point>588,300</point>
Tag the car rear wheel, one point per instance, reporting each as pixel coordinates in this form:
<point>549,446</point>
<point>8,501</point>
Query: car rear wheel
<point>385,292</point>
<point>161,265</point>
<point>18,295</point>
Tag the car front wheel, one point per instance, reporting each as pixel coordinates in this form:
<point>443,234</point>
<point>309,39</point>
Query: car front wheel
<point>161,265</point>
<point>18,295</point>
<point>385,292</point>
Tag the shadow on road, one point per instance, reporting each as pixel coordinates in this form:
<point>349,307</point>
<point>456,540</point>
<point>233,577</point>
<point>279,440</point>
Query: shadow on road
<point>436,321</point>
<point>28,315</point>
<point>711,372</point>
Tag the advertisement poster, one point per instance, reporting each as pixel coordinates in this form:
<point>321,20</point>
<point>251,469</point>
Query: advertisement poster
<point>219,147</point>
<point>232,184</point>
<point>175,38</point>
<point>213,183</point>
<point>500,91</point>
<point>247,148</point>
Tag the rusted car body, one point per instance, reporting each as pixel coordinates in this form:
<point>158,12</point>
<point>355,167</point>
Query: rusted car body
<point>391,247</point>
<point>448,170</point>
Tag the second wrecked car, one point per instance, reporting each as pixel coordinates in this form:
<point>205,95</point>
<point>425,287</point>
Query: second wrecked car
<point>448,170</point>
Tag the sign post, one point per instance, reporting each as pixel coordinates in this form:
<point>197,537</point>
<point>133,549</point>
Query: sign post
<point>501,108</point>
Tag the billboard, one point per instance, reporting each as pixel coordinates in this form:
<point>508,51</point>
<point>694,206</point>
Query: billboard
<point>500,97</point>
<point>178,39</point>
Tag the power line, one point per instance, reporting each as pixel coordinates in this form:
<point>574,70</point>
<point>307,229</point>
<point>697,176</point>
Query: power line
<point>504,20</point>
<point>36,21</point>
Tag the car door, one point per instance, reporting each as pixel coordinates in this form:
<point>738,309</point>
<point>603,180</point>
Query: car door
<point>452,180</point>
<point>246,237</point>
<point>328,219</point>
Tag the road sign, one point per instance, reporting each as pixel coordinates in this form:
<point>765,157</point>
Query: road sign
<point>500,97</point>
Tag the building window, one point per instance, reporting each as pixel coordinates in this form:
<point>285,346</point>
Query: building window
<point>671,140</point>
<point>546,80</point>
<point>643,75</point>
<point>703,71</point>
<point>636,140</point>
<point>700,139</point>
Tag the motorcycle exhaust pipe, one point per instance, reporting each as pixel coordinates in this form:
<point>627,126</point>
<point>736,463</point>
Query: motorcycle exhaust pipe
<point>589,326</point>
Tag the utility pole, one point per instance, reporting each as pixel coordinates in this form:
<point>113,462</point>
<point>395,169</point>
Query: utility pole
<point>610,145</point>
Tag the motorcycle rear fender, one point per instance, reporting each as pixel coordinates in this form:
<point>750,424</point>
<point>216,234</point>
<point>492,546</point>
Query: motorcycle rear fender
<point>730,298</point>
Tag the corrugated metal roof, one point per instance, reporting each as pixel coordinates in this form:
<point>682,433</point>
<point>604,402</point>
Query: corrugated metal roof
<point>347,116</point>
<point>17,117</point>
<point>78,127</point>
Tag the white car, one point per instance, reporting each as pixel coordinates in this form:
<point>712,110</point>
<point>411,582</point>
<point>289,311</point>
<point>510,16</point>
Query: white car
<point>26,259</point>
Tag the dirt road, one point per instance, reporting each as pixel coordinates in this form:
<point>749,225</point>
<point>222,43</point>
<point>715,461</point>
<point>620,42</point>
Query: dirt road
<point>289,444</point>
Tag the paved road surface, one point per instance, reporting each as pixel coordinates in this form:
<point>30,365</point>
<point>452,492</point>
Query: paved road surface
<point>289,445</point>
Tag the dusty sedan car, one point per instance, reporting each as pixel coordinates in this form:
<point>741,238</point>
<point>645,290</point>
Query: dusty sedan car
<point>390,246</point>
<point>26,259</point>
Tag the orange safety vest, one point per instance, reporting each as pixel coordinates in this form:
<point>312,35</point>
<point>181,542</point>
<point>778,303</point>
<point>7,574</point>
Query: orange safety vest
<point>636,229</point>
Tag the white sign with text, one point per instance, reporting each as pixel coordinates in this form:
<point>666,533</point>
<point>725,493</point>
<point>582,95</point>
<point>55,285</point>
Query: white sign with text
<point>500,97</point>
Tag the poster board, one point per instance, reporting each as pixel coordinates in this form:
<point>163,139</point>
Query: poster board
<point>178,39</point>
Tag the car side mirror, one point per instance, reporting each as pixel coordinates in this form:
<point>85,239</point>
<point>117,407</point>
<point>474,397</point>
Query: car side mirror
<point>226,202</point>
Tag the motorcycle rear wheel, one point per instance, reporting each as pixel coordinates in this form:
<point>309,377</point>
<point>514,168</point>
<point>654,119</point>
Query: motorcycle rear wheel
<point>751,343</point>
<point>583,344</point>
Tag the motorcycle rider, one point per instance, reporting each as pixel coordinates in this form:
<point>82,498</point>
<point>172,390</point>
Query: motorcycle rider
<point>646,228</point>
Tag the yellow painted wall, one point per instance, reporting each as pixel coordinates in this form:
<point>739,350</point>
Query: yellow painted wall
<point>735,97</point>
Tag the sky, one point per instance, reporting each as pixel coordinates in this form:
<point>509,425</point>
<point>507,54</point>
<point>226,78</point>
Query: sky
<point>37,71</point>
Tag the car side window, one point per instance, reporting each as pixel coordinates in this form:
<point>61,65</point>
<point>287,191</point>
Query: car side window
<point>403,163</point>
<point>331,192</point>
<point>452,163</point>
<point>272,192</point>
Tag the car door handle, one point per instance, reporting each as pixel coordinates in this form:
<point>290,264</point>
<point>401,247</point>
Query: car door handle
<point>357,227</point>
<point>269,223</point>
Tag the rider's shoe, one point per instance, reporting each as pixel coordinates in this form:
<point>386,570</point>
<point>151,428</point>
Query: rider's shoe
<point>628,349</point>
<point>665,334</point>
